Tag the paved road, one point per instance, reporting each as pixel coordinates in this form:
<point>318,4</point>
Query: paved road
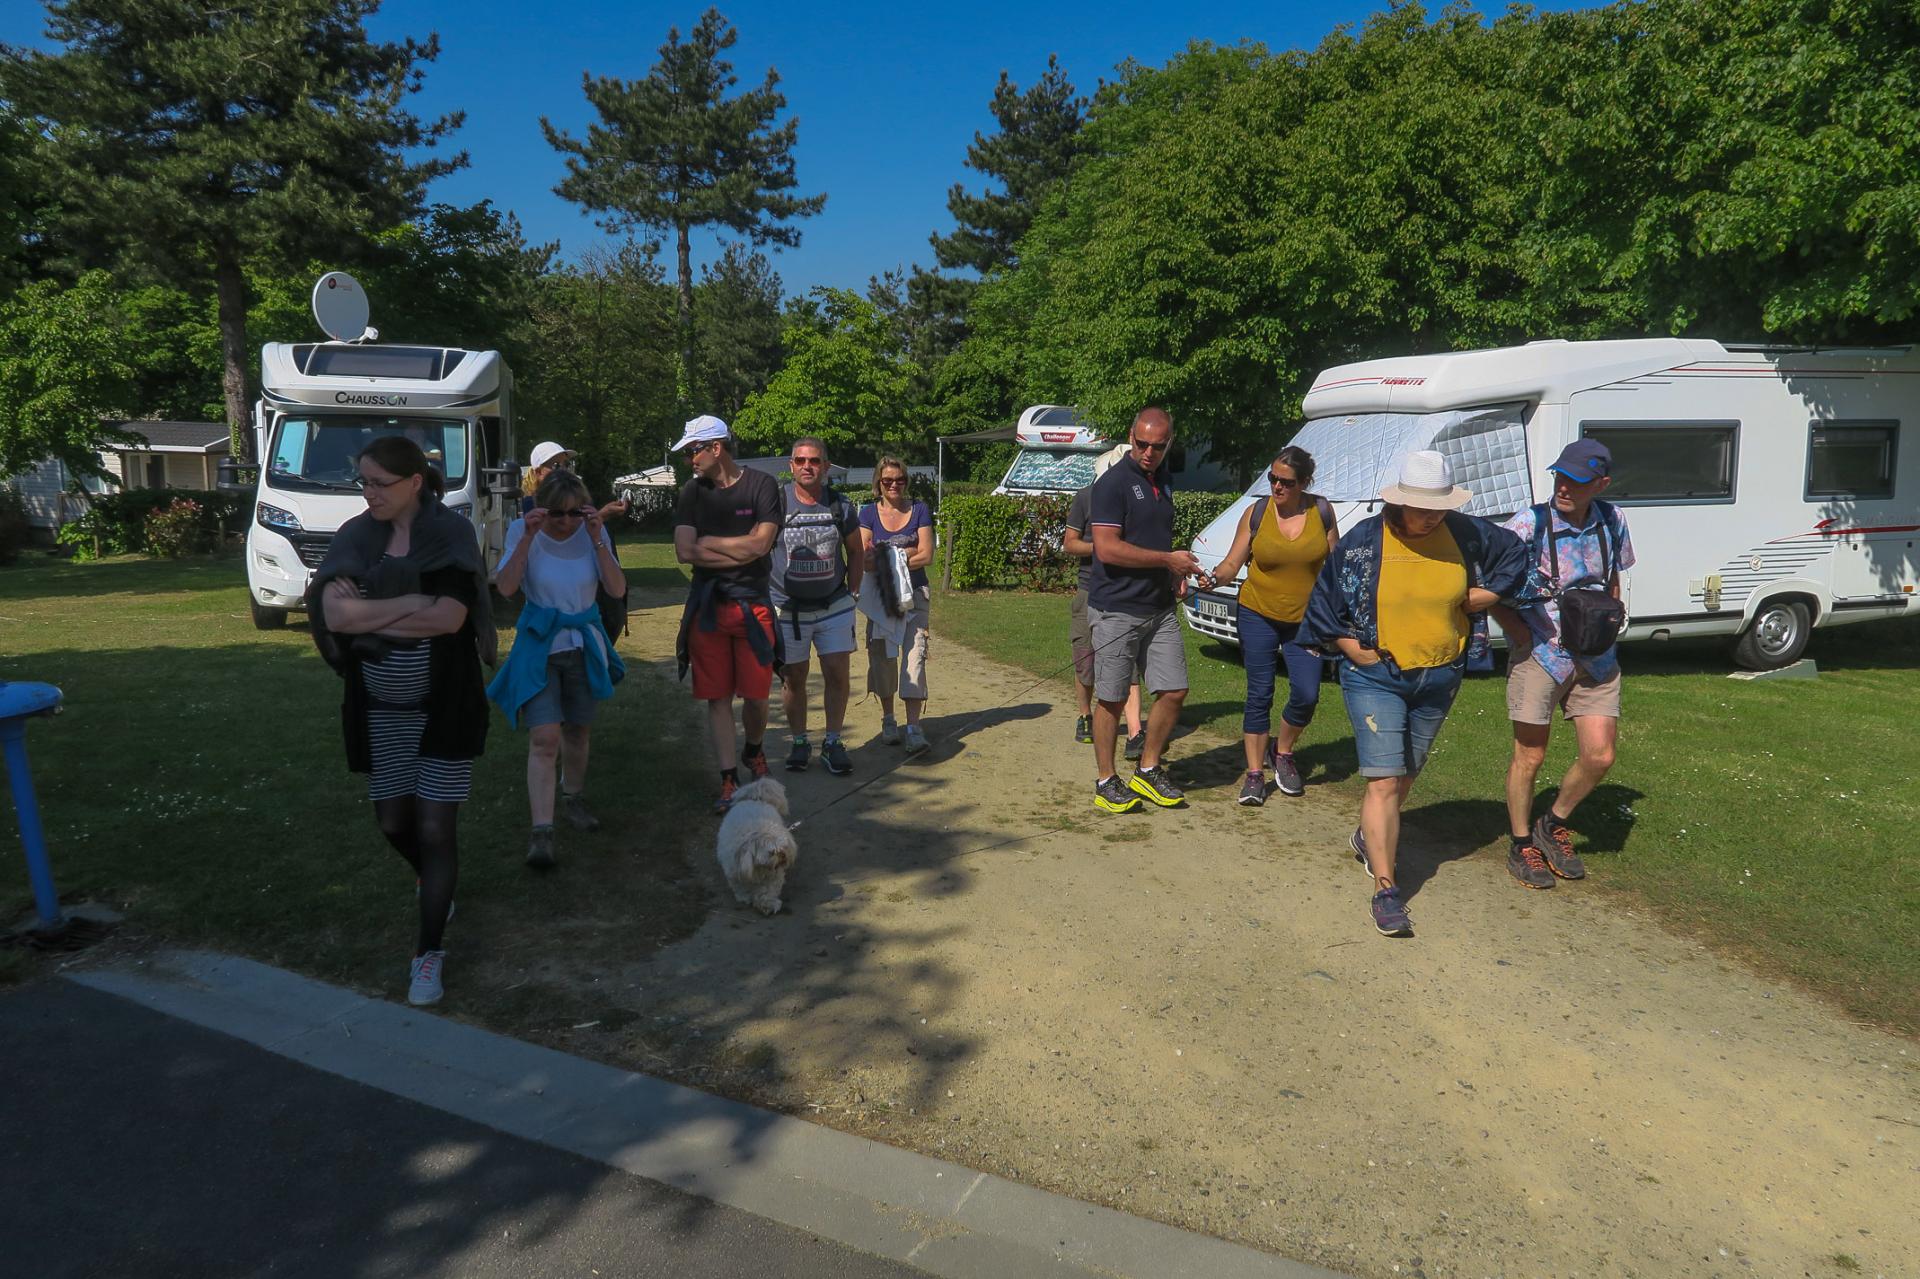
<point>135,1144</point>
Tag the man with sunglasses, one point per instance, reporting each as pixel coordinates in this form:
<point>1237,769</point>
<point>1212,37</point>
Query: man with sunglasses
<point>1137,576</point>
<point>725,527</point>
<point>817,563</point>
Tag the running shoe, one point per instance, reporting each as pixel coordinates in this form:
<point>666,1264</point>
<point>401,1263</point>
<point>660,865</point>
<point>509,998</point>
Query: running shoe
<point>423,978</point>
<point>1083,730</point>
<point>1113,795</point>
<point>889,731</point>
<point>1137,744</point>
<point>1358,843</point>
<point>1286,775</point>
<point>540,849</point>
<point>578,815</point>
<point>917,743</point>
<point>833,753</point>
<point>1555,839</point>
<point>756,763</point>
<point>1526,864</point>
<point>1156,784</point>
<point>728,785</point>
<point>1253,791</point>
<point>797,757</point>
<point>1390,914</point>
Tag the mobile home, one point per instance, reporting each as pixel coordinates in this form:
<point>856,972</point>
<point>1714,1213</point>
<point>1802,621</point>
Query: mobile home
<point>1767,487</point>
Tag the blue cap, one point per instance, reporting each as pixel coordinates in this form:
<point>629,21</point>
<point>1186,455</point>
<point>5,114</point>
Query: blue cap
<point>1584,461</point>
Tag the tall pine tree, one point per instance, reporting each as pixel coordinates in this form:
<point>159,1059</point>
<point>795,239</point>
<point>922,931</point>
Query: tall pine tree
<point>673,152</point>
<point>195,136</point>
<point>737,326</point>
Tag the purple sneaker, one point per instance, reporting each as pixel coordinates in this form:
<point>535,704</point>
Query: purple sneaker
<point>1358,843</point>
<point>1390,914</point>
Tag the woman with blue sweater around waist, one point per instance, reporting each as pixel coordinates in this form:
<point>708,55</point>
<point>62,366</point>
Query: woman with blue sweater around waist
<point>1393,601</point>
<point>562,661</point>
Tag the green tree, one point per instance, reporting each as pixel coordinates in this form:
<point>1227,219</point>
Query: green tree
<point>737,326</point>
<point>926,310</point>
<point>673,152</point>
<point>844,380</point>
<point>64,369</point>
<point>193,137</point>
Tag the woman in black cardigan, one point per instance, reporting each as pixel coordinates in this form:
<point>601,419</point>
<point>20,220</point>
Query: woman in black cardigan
<point>400,610</point>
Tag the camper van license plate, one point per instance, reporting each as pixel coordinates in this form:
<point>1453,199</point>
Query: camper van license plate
<point>1207,606</point>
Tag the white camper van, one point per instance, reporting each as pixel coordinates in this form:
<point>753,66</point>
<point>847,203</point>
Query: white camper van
<point>1057,452</point>
<point>323,402</point>
<point>1767,487</point>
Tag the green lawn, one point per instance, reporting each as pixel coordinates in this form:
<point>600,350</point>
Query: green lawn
<point>1769,819</point>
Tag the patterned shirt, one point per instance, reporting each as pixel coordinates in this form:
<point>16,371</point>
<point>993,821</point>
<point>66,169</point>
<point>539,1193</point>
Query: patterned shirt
<point>1581,567</point>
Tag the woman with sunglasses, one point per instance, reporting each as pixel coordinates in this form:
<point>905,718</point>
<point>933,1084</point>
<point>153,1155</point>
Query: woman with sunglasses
<point>400,609</point>
<point>1282,541</point>
<point>894,519</point>
<point>562,661</point>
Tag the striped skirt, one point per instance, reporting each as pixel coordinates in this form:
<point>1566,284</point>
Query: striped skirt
<point>401,679</point>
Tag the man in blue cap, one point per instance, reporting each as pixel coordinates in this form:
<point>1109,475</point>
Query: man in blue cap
<point>1579,543</point>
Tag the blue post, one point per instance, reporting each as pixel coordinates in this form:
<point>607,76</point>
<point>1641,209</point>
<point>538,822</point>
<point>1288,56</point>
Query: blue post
<point>18,701</point>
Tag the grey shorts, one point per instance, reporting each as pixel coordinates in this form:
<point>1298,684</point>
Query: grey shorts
<point>566,698</point>
<point>1124,644</point>
<point>1080,638</point>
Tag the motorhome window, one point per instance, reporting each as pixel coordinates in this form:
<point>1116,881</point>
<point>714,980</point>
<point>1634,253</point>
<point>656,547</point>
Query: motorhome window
<point>1850,459</point>
<point>318,452</point>
<point>1057,417</point>
<point>1060,472</point>
<point>418,362</point>
<point>1672,463</point>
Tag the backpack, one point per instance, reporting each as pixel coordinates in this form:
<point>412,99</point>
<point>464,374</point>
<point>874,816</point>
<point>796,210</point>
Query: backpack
<point>811,590</point>
<point>1590,621</point>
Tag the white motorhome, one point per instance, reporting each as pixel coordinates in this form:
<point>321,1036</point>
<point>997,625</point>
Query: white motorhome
<point>1057,452</point>
<point>323,402</point>
<point>1767,487</point>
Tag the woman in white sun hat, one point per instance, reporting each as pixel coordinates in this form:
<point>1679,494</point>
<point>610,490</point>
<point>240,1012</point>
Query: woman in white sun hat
<point>1392,603</point>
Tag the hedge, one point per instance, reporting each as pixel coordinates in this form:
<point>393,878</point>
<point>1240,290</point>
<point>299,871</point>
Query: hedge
<point>1015,541</point>
<point>116,523</point>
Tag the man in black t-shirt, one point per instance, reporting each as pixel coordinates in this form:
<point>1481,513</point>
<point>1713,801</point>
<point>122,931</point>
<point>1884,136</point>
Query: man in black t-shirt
<point>725,526</point>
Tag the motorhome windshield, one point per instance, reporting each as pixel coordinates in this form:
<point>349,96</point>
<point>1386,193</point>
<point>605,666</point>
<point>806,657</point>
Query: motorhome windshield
<point>319,451</point>
<point>1355,454</point>
<point>1056,471</point>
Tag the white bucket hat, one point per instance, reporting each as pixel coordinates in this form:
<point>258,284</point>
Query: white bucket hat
<point>545,451</point>
<point>1426,483</point>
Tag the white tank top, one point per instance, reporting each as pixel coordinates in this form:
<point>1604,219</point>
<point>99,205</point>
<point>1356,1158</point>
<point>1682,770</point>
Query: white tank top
<point>562,574</point>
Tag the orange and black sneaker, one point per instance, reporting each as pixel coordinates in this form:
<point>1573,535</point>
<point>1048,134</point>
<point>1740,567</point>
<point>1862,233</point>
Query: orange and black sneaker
<point>1555,839</point>
<point>728,785</point>
<point>1526,864</point>
<point>756,763</point>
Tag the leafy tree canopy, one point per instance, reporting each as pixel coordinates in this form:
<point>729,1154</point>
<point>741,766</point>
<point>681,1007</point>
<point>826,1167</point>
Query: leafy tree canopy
<point>737,324</point>
<point>844,380</point>
<point>64,369</point>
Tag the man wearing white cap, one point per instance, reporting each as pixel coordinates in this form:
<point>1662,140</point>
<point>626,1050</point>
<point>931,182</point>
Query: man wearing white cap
<point>725,526</point>
<point>1393,602</point>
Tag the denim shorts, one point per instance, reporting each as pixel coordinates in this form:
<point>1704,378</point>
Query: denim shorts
<point>566,699</point>
<point>1396,714</point>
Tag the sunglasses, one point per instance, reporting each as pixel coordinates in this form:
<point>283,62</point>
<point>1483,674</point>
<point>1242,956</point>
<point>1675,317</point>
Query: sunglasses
<point>1281,481</point>
<point>893,483</point>
<point>571,513</point>
<point>808,461</point>
<point>695,450</point>
<point>1145,447</point>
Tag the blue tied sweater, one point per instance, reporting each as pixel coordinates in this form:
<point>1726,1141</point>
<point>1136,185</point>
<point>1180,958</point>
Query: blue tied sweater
<point>524,673</point>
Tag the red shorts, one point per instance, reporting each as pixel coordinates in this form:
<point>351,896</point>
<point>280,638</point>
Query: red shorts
<point>723,661</point>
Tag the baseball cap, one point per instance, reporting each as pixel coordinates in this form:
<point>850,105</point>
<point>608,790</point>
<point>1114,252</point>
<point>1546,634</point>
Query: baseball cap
<point>702,429</point>
<point>545,451</point>
<point>1583,461</point>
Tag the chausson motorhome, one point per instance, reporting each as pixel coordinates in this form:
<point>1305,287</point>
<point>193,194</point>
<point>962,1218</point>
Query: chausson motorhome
<point>1768,488</point>
<point>321,403</point>
<point>1057,452</point>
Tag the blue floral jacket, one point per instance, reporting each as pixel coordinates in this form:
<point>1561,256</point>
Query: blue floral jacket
<point>1344,599</point>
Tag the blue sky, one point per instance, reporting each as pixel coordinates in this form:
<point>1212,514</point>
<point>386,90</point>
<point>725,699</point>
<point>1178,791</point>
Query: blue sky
<point>888,96</point>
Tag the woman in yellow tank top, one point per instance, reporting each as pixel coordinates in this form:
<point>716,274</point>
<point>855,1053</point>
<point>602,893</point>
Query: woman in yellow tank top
<point>1282,552</point>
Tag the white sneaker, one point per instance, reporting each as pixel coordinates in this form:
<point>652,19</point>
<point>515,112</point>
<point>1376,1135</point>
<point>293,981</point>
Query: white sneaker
<point>916,740</point>
<point>424,971</point>
<point>889,731</point>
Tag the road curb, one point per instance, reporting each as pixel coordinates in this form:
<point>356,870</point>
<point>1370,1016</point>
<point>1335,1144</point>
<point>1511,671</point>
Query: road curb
<point>944,1218</point>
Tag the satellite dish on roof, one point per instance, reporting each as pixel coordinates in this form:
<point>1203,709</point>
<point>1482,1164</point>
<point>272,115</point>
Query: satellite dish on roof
<point>340,305</point>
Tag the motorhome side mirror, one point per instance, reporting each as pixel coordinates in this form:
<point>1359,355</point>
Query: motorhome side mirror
<point>504,479</point>
<point>236,477</point>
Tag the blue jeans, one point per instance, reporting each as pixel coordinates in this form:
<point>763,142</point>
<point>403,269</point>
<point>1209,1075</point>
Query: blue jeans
<point>1396,714</point>
<point>1264,644</point>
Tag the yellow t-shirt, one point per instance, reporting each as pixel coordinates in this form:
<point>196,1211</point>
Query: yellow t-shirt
<point>1421,606</point>
<point>1281,569</point>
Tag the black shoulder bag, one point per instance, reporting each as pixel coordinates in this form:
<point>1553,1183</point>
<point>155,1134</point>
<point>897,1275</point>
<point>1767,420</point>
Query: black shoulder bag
<point>1590,621</point>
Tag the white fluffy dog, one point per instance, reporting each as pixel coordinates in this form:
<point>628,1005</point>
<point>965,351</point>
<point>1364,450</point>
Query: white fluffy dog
<point>756,848</point>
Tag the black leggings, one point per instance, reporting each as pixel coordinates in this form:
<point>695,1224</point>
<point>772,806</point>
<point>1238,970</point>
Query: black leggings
<point>422,831</point>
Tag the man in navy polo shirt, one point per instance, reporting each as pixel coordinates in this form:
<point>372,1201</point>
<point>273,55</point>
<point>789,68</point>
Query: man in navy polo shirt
<point>1137,576</point>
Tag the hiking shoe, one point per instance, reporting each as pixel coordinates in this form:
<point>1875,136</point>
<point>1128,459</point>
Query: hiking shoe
<point>889,731</point>
<point>423,978</point>
<point>1286,775</point>
<point>1113,795</point>
<point>1083,730</point>
<point>540,849</point>
<point>578,815</point>
<point>1253,791</point>
<point>1390,914</point>
<point>728,786</point>
<point>917,742</point>
<point>833,753</point>
<point>1555,839</point>
<point>1137,744</point>
<point>1157,785</point>
<point>1526,864</point>
<point>797,757</point>
<point>1358,843</point>
<point>756,763</point>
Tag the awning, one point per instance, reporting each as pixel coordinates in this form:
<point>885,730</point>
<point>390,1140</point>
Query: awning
<point>991,435</point>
